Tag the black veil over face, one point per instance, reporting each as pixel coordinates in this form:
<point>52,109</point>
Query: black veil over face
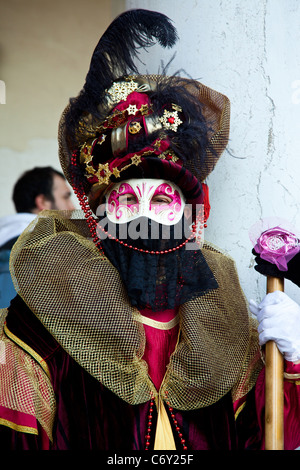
<point>158,281</point>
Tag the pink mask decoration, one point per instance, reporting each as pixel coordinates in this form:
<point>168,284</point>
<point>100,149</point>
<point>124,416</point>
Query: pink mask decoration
<point>159,200</point>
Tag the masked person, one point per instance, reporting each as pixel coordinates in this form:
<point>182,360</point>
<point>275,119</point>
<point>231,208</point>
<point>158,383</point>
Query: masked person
<point>128,332</point>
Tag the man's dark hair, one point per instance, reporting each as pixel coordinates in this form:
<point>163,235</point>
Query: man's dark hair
<point>33,182</point>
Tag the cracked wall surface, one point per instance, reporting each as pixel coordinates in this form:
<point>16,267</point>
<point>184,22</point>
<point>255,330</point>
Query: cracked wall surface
<point>250,52</point>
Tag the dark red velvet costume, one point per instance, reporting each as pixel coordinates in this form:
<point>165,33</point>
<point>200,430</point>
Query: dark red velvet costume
<point>90,417</point>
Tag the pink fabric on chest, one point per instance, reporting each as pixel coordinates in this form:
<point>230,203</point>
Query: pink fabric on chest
<point>160,344</point>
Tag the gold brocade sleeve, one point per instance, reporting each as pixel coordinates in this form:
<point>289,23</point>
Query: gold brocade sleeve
<point>26,393</point>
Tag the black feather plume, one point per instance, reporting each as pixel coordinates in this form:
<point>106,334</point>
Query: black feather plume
<point>114,57</point>
<point>114,54</point>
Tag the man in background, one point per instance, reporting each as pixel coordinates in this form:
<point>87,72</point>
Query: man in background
<point>41,188</point>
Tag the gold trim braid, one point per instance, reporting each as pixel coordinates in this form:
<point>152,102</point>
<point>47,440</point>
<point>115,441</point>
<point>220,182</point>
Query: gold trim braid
<point>17,427</point>
<point>154,323</point>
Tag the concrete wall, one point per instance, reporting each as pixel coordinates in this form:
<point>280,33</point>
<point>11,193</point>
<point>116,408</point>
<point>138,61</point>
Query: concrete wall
<point>250,52</point>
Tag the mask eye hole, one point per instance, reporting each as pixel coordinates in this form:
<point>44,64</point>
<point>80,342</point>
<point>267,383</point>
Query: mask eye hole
<point>127,199</point>
<point>161,199</point>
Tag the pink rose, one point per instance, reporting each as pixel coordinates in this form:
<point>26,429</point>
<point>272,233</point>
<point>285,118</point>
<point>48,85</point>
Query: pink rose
<point>278,246</point>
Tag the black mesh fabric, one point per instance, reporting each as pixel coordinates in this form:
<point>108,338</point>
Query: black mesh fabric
<point>162,281</point>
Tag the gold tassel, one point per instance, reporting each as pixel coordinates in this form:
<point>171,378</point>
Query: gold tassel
<point>164,439</point>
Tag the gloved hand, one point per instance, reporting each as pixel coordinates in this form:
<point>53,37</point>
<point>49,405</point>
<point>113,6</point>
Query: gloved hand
<point>270,269</point>
<point>279,320</point>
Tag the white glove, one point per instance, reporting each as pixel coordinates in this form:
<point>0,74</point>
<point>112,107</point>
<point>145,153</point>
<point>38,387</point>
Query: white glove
<point>279,320</point>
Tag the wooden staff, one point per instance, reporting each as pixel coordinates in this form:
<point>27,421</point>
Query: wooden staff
<point>274,406</point>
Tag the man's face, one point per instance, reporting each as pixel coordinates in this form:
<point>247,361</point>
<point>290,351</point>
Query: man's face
<point>61,194</point>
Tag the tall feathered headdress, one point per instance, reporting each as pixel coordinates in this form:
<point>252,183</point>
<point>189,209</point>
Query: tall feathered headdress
<point>124,125</point>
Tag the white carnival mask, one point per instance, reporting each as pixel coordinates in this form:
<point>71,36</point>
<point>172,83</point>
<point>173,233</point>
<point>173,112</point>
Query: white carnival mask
<point>159,200</point>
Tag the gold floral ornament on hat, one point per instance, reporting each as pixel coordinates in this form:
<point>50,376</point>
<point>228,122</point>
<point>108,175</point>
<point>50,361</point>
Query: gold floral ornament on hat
<point>119,91</point>
<point>170,119</point>
<point>134,127</point>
